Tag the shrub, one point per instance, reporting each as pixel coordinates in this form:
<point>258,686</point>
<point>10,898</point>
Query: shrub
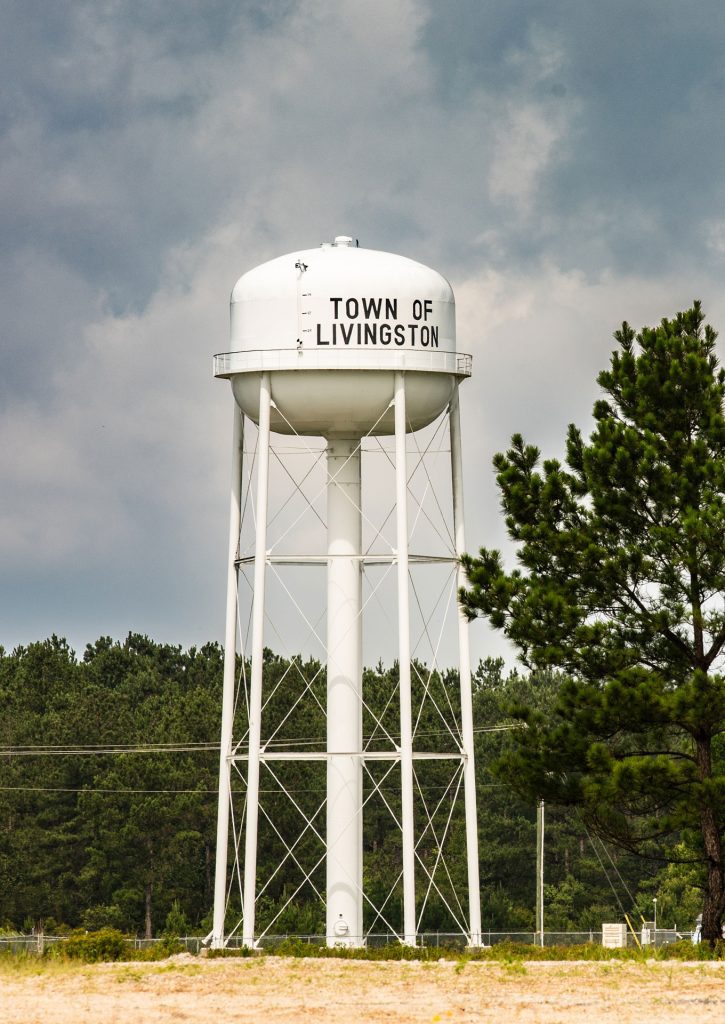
<point>93,947</point>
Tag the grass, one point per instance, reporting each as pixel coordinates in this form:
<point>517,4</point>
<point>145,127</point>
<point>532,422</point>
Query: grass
<point>503,952</point>
<point>107,946</point>
<point>30,964</point>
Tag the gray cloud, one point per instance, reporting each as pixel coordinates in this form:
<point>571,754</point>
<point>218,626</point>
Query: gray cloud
<point>636,176</point>
<point>558,161</point>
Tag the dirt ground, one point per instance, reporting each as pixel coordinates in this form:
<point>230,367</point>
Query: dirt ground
<point>274,990</point>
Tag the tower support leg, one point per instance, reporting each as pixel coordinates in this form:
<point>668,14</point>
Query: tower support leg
<point>406,712</point>
<point>255,686</point>
<point>469,777</point>
<point>230,651</point>
<point>344,694</point>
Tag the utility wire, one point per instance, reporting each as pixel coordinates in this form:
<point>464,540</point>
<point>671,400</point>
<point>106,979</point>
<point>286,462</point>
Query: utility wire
<point>601,864</point>
<point>101,752</point>
<point>44,749</point>
<point>203,792</point>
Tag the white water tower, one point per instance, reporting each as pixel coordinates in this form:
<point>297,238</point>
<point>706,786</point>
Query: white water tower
<point>345,344</point>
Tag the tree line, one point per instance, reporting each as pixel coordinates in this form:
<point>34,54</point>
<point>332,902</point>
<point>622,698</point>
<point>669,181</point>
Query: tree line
<point>97,829</point>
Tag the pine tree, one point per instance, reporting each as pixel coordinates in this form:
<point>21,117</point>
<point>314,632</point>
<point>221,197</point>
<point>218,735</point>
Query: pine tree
<point>620,586</point>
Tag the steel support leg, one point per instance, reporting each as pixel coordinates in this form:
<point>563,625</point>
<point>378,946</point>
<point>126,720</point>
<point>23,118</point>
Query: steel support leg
<point>255,688</point>
<point>230,658</point>
<point>469,777</point>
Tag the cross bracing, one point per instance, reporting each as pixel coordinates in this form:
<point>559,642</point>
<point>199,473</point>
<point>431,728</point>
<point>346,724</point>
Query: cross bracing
<point>289,750</point>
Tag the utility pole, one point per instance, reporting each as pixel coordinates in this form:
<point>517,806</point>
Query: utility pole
<point>540,872</point>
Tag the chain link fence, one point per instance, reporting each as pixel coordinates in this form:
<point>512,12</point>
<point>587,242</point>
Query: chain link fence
<point>38,943</point>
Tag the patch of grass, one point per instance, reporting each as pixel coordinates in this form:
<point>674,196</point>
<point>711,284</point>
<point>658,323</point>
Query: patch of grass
<point>108,945</point>
<point>685,950</point>
<point>131,974</point>
<point>515,967</point>
<point>243,951</point>
<point>462,961</point>
<point>24,963</point>
<point>395,951</point>
<point>503,952</point>
<point>175,969</point>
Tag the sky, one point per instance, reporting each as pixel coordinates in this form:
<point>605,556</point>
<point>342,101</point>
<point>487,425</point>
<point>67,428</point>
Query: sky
<point>559,161</point>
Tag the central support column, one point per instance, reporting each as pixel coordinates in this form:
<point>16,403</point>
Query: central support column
<point>344,694</point>
<point>406,710</point>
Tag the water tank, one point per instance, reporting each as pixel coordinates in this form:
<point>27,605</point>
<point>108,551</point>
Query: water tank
<point>332,325</point>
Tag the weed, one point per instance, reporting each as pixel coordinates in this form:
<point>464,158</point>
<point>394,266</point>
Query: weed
<point>128,974</point>
<point>462,961</point>
<point>176,969</point>
<point>515,967</point>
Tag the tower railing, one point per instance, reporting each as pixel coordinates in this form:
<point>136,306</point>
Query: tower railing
<point>425,360</point>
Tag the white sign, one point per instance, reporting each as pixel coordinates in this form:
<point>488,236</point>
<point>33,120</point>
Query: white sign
<point>614,936</point>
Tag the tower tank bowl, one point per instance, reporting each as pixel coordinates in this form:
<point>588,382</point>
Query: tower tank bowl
<point>332,326</point>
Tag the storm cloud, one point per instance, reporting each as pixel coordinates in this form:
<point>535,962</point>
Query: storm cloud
<point>559,162</point>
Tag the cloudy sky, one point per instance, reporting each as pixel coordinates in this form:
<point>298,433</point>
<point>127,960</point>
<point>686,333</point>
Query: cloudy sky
<point>560,161</point>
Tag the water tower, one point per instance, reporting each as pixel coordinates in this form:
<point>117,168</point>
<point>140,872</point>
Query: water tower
<point>344,344</point>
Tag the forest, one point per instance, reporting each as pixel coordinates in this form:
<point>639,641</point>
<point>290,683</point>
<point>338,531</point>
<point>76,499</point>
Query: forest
<point>108,781</point>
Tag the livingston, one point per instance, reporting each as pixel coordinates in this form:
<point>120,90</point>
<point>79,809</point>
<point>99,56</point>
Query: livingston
<point>424,335</point>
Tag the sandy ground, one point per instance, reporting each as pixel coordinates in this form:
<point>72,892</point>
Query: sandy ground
<point>277,990</point>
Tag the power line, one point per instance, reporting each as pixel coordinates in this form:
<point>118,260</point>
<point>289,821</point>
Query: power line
<point>201,792</point>
<point>91,789</point>
<point>49,749</point>
<point>43,750</point>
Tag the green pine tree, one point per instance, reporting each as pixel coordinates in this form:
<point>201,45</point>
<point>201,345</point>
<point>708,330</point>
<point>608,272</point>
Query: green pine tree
<point>620,586</point>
